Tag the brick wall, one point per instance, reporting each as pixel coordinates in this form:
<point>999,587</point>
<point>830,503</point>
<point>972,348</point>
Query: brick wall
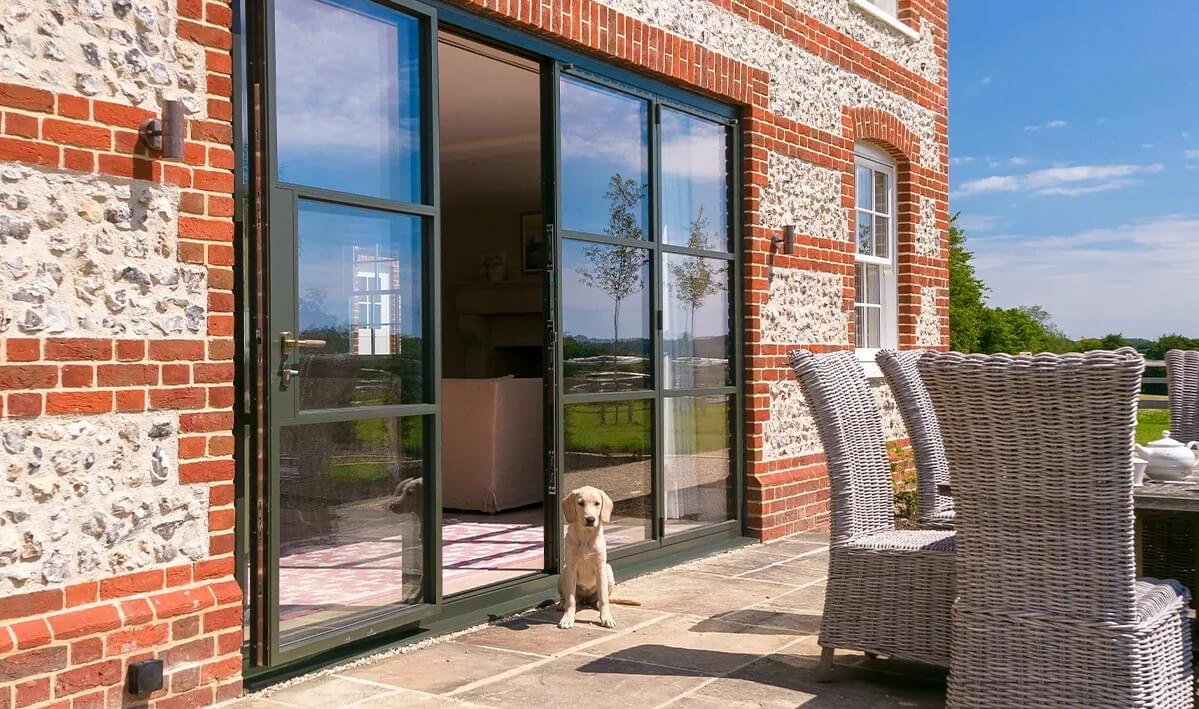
<point>116,355</point>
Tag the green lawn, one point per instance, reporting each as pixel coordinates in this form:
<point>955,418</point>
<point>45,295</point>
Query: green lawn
<point>599,428</point>
<point>1151,423</point>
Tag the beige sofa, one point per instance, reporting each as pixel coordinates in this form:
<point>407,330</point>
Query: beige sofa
<point>491,442</point>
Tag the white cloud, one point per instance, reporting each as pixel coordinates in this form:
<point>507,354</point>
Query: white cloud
<point>1120,278</point>
<point>986,80</point>
<point>977,222</point>
<point>1185,135</point>
<point>1056,124</point>
<point>961,160</point>
<point>1146,146</point>
<point>1062,180</point>
<point>1191,154</point>
<point>1017,160</point>
<point>1030,129</point>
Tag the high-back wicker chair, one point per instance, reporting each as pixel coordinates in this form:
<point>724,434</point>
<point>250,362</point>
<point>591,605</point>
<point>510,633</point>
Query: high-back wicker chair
<point>1049,612</point>
<point>934,510</point>
<point>889,591</point>
<point>1182,378</point>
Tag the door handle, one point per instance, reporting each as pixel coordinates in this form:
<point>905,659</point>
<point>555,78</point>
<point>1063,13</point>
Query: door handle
<point>287,343</point>
<point>286,374</point>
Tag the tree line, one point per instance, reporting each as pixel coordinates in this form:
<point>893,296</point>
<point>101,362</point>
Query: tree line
<point>975,326</point>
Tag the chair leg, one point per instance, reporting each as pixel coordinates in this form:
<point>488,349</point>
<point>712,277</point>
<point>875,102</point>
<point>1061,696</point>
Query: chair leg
<point>824,671</point>
<point>872,656</point>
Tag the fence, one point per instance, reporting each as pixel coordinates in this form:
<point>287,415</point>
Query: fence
<point>1153,388</point>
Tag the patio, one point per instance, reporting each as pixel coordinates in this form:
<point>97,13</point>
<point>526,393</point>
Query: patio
<point>732,630</point>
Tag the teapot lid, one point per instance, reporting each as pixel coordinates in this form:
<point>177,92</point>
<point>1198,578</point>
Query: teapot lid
<point>1166,442</point>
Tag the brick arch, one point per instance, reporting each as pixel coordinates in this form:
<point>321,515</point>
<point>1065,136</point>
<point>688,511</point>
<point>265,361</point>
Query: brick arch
<point>886,132</point>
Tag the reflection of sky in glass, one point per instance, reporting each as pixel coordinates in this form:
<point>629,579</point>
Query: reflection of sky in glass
<point>589,312</point>
<point>694,176</point>
<point>328,235</point>
<point>603,133</point>
<point>348,98</point>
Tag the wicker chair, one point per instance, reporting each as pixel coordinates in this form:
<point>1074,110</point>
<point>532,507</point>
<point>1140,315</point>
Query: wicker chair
<point>889,591</point>
<point>899,368</point>
<point>1049,609</point>
<point>1182,378</point>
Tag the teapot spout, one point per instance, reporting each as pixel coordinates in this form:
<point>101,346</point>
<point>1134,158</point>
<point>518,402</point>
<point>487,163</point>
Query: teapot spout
<point>1142,451</point>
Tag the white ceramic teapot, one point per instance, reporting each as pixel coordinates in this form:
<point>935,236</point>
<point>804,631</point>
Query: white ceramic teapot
<point>1169,459</point>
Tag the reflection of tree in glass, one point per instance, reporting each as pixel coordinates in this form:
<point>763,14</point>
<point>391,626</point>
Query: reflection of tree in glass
<point>694,278</point>
<point>616,270</point>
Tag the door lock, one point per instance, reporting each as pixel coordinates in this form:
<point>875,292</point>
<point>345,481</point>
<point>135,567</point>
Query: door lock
<point>285,375</point>
<point>288,343</point>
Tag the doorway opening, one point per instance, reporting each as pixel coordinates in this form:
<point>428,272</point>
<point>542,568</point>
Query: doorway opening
<point>493,487</point>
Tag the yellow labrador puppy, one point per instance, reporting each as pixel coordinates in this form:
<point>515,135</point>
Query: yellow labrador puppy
<point>587,579</point>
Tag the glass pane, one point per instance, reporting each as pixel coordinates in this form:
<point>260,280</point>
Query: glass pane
<point>348,97</point>
<point>872,280</point>
<point>698,466</point>
<point>605,161</point>
<point>865,234</point>
<point>360,277</point>
<point>694,182</point>
<point>859,326</point>
<point>874,336</point>
<point>609,445</point>
<point>606,341</point>
<point>351,509</point>
<point>696,347</point>
<point>882,198</point>
<point>882,233</point>
<point>862,189</point>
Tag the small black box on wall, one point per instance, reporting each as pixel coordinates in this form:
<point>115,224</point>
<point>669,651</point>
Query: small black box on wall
<point>144,677</point>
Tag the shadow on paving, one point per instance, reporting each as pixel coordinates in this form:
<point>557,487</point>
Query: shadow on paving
<point>764,621</point>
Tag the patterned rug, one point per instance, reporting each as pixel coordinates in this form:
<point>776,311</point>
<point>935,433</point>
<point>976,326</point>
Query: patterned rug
<point>367,572</point>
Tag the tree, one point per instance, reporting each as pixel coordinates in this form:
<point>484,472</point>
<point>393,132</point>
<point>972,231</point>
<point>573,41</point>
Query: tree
<point>1165,343</point>
<point>1113,341</point>
<point>694,278</point>
<point>966,308</point>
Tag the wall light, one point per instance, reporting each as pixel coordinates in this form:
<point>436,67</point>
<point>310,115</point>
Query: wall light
<point>787,241</point>
<point>165,135</point>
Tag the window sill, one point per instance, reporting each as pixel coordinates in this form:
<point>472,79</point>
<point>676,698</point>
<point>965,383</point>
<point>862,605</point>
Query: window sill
<point>885,18</point>
<point>869,366</point>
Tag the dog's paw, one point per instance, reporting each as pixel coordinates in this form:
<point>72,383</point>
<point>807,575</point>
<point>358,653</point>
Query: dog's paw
<point>566,623</point>
<point>608,621</point>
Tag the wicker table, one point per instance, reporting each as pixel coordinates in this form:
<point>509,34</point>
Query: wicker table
<point>1167,531</point>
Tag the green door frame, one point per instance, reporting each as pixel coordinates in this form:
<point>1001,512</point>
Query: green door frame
<point>262,218</point>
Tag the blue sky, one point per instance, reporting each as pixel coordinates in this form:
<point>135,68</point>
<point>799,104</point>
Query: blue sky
<point>1074,144</point>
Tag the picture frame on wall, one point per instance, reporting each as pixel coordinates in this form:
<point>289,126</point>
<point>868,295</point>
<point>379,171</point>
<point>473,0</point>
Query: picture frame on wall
<point>532,243</point>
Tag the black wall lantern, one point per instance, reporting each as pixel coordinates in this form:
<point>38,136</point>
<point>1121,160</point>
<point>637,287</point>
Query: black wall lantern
<point>165,135</point>
<point>784,243</point>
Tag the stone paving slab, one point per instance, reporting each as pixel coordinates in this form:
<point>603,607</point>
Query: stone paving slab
<point>732,630</point>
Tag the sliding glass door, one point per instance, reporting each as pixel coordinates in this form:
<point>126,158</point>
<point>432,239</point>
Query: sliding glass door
<point>352,347</point>
<point>646,303</point>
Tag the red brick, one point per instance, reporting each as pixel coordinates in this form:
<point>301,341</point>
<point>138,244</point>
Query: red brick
<point>185,628</point>
<point>221,181</point>
<point>192,202</point>
<point>130,350</point>
<point>220,278</point>
<point>173,350</point>
<point>77,375</point>
<point>130,400</point>
<point>191,252</point>
<point>20,125</point>
<point>192,447</point>
<point>31,633</point>
<point>219,61</point>
<point>22,605</point>
<point>221,669</point>
<point>81,593</point>
<point>218,14</point>
<point>129,166</point>
<point>24,404</point>
<point>175,603</point>
<point>32,692</point>
<point>220,445</point>
<point>220,255</point>
<point>191,651</point>
<point>184,680</point>
<point>227,592</point>
<point>179,576</point>
<point>205,229</point>
<point>84,136</point>
<point>206,471</point>
<point>27,151</point>
<point>82,402</point>
<point>136,611</point>
<point>191,9</point>
<point>230,642</point>
<point>84,621</point>
<point>221,544</point>
<point>206,423</point>
<point>24,97</point>
<point>78,349</point>
<point>120,375</point>
<point>177,398</point>
<point>215,568</point>
<point>130,584</point>
<point>207,36</point>
<point>220,520</point>
<point>23,350</point>
<point>140,638</point>
<point>83,678</point>
<point>35,662</point>
<point>26,376</point>
<point>86,650</point>
<point>92,700</point>
<point>201,696</point>
<point>173,374</point>
<point>115,114</point>
<point>74,107</point>
<point>220,349</point>
<point>230,617</point>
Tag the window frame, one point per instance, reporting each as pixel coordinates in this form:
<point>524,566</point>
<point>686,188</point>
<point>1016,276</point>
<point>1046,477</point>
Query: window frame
<point>877,160</point>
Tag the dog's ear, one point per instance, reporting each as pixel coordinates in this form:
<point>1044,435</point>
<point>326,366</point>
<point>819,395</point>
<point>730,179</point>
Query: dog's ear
<point>605,507</point>
<point>570,507</point>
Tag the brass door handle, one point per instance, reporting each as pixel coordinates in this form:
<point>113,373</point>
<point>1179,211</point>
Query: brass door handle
<point>289,343</point>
